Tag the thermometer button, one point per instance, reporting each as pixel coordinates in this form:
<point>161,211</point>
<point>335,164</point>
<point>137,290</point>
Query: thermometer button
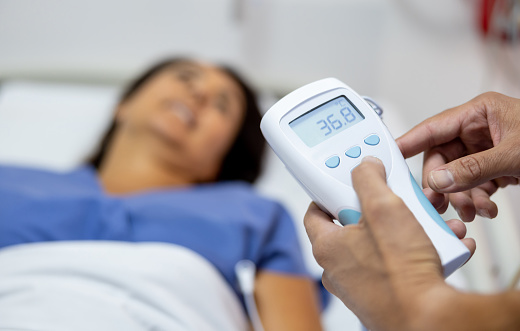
<point>372,140</point>
<point>332,161</point>
<point>353,152</point>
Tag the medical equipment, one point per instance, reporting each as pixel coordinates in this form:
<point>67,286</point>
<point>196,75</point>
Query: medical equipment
<point>321,132</point>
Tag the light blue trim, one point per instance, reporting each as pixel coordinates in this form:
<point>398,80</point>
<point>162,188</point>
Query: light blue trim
<point>428,207</point>
<point>348,216</point>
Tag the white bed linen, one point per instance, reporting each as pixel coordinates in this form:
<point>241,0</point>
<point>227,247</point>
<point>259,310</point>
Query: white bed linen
<point>94,285</point>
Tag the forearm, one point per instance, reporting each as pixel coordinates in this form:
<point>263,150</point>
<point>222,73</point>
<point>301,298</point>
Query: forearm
<point>287,302</point>
<point>473,312</point>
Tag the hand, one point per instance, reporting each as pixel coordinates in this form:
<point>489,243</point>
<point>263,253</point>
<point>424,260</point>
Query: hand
<point>385,268</point>
<point>470,151</point>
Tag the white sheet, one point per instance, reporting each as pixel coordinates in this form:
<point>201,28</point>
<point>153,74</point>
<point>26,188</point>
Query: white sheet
<point>113,286</point>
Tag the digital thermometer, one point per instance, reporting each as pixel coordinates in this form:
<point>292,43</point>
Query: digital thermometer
<point>321,132</point>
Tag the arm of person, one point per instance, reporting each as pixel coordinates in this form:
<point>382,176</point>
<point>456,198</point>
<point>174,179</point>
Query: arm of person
<point>287,302</point>
<point>470,151</point>
<point>386,270</point>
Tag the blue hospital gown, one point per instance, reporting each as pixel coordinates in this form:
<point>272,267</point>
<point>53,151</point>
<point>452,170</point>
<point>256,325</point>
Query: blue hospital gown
<point>224,222</point>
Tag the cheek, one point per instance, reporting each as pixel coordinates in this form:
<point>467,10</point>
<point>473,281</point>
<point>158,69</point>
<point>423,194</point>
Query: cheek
<point>132,115</point>
<point>143,107</point>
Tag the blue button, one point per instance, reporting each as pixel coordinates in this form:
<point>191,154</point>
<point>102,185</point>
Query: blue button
<point>348,216</point>
<point>353,152</point>
<point>426,204</point>
<point>372,140</point>
<point>332,162</point>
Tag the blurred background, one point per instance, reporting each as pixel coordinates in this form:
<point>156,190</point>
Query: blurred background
<point>62,64</point>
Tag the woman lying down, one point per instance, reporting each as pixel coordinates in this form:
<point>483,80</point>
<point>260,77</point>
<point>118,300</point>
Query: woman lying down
<point>148,235</point>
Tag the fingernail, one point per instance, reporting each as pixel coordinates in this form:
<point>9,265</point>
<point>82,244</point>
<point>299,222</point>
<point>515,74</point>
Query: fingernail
<point>441,178</point>
<point>372,159</point>
<point>484,213</point>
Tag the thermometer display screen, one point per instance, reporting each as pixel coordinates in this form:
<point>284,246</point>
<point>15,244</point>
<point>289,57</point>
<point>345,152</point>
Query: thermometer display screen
<point>326,120</point>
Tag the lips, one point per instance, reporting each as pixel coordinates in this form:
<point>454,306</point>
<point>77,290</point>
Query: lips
<point>182,112</point>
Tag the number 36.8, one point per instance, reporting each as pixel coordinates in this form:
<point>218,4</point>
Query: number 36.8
<point>325,125</point>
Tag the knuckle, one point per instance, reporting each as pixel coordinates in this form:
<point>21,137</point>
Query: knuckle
<point>379,208</point>
<point>491,95</point>
<point>390,201</point>
<point>489,98</point>
<point>429,127</point>
<point>471,166</point>
<point>493,102</point>
<point>321,249</point>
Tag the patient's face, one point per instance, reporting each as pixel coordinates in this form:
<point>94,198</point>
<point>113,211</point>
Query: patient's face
<point>188,114</point>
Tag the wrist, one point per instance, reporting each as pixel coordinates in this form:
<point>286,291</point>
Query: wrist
<point>448,309</point>
<point>431,309</point>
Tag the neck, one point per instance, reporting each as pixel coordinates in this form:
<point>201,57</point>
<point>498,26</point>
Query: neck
<point>127,168</point>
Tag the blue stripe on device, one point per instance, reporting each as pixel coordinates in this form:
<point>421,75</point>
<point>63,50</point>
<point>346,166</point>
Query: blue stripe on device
<point>348,216</point>
<point>426,204</point>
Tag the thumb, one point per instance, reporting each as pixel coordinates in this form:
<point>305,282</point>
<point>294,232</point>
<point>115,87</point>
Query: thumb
<point>472,170</point>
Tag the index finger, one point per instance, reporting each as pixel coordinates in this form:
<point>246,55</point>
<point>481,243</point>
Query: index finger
<point>434,131</point>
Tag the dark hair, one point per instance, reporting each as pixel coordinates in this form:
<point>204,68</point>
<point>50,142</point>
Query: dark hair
<point>244,159</point>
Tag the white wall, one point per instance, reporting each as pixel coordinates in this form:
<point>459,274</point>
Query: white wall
<point>109,40</point>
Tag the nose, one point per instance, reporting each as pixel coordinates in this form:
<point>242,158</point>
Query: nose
<point>199,93</point>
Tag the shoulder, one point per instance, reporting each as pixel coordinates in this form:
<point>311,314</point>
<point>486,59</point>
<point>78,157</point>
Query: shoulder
<point>33,179</point>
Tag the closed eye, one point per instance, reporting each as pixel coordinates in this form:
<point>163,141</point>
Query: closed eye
<point>222,103</point>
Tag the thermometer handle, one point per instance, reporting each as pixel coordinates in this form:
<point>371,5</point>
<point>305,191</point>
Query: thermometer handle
<point>452,252</point>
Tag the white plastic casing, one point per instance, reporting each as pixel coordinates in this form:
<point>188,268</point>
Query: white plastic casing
<point>331,188</point>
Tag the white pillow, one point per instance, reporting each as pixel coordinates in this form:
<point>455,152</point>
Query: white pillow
<point>52,125</point>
